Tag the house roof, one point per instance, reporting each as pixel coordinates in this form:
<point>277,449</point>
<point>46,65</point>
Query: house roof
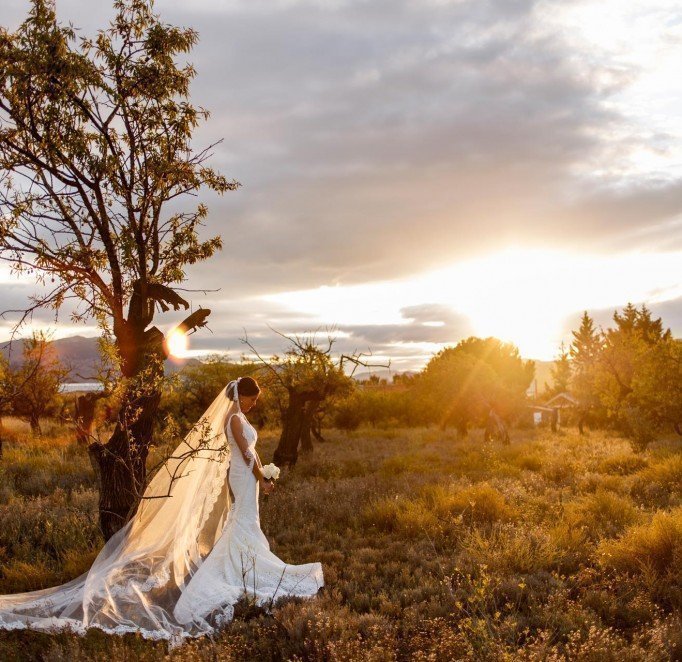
<point>562,399</point>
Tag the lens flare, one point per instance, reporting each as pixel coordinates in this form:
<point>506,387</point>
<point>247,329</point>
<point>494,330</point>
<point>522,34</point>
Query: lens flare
<point>177,343</point>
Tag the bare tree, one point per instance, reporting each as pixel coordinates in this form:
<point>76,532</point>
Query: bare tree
<point>304,378</point>
<point>96,159</point>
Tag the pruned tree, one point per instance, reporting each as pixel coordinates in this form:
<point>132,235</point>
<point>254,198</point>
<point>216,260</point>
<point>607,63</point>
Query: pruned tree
<point>306,377</point>
<point>96,159</point>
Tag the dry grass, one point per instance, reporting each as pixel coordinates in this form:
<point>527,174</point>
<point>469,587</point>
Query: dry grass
<point>556,547</point>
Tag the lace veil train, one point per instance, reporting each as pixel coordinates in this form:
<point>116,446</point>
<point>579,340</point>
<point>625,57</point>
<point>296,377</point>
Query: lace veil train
<point>143,569</point>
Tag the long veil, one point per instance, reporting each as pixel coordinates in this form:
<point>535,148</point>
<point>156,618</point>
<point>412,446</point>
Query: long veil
<point>142,570</point>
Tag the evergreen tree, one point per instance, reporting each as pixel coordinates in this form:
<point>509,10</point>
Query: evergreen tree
<point>584,352</point>
<point>640,320</point>
<point>586,344</point>
<point>561,371</point>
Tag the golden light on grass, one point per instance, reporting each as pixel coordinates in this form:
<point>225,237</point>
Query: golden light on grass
<point>177,344</point>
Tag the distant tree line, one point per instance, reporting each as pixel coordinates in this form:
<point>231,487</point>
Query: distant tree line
<point>626,377</point>
<point>477,383</point>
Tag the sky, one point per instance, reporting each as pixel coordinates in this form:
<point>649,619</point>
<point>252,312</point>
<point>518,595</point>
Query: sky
<point>417,171</point>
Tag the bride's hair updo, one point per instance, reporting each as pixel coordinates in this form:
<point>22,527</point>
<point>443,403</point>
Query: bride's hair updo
<point>245,386</point>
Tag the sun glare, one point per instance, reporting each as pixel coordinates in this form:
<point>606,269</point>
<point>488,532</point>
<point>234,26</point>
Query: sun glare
<point>177,344</point>
<point>524,296</point>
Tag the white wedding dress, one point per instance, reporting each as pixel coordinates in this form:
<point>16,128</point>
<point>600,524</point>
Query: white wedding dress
<point>178,567</point>
<point>241,561</point>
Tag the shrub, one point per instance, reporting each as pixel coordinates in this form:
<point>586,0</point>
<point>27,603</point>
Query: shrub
<point>622,464</point>
<point>480,503</point>
<point>603,514</point>
<point>659,484</point>
<point>655,546</point>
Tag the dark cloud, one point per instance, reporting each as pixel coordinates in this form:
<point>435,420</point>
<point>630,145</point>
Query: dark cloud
<point>419,327</point>
<point>261,323</point>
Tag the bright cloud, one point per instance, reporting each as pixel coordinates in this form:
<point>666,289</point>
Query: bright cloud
<point>518,295</point>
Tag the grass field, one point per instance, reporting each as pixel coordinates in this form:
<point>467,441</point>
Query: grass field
<point>554,547</point>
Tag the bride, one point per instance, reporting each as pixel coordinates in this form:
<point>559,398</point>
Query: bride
<point>178,567</point>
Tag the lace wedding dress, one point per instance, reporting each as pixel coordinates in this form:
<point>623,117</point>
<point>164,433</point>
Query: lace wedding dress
<point>241,561</point>
<point>177,568</point>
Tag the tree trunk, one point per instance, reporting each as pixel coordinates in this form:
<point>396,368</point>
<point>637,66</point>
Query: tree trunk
<point>581,422</point>
<point>496,428</point>
<point>1,433</point>
<point>316,428</point>
<point>34,421</point>
<point>306,439</point>
<point>85,416</point>
<point>292,426</point>
<point>120,463</point>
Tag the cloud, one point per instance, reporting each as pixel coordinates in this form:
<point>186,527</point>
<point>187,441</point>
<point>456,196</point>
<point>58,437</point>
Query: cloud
<point>378,139</point>
<point>429,323</point>
<point>670,313</point>
<point>375,140</point>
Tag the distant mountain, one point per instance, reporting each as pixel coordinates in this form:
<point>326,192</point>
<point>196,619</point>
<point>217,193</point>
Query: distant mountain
<point>81,356</point>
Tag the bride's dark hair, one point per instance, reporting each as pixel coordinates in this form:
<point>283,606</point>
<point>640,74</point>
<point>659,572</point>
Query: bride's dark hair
<point>245,386</point>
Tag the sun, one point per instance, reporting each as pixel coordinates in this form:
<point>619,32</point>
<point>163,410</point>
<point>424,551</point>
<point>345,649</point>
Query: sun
<point>177,343</point>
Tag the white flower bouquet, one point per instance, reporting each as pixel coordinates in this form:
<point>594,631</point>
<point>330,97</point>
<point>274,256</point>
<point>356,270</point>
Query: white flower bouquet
<point>270,472</point>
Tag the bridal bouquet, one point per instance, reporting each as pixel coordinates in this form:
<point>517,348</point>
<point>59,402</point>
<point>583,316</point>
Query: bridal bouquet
<point>270,471</point>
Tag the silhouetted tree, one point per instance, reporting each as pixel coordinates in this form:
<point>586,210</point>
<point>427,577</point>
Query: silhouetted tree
<point>95,142</point>
<point>304,378</point>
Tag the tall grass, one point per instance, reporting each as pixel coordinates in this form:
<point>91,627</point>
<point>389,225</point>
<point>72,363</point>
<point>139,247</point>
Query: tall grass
<point>556,547</point>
